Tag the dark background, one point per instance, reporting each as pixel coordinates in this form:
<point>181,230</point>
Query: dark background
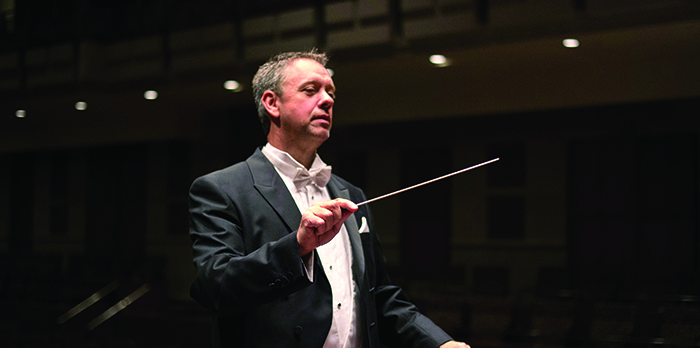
<point>585,233</point>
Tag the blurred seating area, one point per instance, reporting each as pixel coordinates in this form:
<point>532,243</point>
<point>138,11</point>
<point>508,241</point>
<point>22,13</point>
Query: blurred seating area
<point>561,317</point>
<point>90,301</point>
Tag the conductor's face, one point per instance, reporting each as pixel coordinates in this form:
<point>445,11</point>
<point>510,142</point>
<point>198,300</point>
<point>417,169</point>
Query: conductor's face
<point>306,103</point>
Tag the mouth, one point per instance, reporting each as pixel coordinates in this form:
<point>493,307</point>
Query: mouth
<point>323,118</point>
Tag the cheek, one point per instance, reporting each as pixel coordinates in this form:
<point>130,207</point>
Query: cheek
<point>301,108</point>
<point>301,104</point>
<point>309,106</point>
<point>293,108</point>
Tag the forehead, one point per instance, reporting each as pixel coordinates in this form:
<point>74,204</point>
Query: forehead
<point>303,70</point>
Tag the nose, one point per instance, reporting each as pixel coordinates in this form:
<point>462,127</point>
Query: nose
<point>326,102</point>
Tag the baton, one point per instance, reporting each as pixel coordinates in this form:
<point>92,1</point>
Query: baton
<point>427,182</point>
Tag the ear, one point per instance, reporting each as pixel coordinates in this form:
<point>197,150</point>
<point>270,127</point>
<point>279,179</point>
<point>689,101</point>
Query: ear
<point>271,102</point>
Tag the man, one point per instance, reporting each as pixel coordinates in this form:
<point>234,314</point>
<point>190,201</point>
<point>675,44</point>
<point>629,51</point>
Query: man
<point>280,263</point>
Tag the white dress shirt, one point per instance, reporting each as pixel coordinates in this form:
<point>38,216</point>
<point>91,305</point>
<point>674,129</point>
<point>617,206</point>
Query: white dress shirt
<point>335,256</point>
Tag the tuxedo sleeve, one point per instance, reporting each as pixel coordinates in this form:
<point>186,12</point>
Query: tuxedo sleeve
<point>400,324</point>
<point>231,275</point>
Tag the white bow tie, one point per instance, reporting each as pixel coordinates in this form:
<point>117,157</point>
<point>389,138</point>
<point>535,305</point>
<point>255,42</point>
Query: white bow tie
<point>318,176</point>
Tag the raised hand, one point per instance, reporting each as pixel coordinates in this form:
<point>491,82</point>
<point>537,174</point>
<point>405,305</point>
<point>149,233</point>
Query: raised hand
<point>321,222</point>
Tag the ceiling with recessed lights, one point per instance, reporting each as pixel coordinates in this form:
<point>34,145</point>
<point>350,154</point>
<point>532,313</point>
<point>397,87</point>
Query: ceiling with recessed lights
<point>488,57</point>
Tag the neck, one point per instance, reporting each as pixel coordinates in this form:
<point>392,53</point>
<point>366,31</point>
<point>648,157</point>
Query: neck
<point>302,154</point>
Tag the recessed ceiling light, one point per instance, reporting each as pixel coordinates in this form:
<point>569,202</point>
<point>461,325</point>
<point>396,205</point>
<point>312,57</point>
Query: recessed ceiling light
<point>438,59</point>
<point>331,72</point>
<point>150,95</point>
<point>570,43</point>
<point>232,85</point>
<point>80,105</point>
<point>21,113</point>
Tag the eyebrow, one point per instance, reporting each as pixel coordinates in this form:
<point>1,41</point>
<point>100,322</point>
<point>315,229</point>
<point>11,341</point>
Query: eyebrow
<point>317,80</point>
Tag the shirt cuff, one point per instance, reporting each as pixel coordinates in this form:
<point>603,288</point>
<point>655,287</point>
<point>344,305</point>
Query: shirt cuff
<point>308,263</point>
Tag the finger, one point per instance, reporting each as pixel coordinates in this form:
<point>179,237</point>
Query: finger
<point>311,221</point>
<point>341,214</point>
<point>328,217</point>
<point>337,213</point>
<point>336,207</point>
<point>341,203</point>
<point>346,206</point>
<point>328,235</point>
<point>333,212</point>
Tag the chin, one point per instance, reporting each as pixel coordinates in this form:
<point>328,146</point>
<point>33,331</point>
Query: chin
<point>325,135</point>
<point>322,134</point>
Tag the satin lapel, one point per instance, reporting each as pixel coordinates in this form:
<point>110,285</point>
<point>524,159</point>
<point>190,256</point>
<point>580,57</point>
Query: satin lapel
<point>272,188</point>
<point>358,265</point>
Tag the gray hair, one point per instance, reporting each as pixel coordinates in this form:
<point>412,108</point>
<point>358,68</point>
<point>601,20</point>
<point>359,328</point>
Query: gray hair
<point>271,75</point>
